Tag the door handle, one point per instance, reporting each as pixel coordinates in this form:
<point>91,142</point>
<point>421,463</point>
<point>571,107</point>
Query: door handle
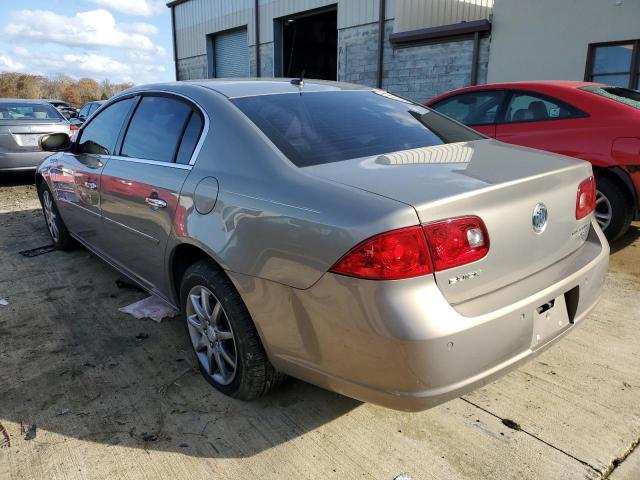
<point>91,185</point>
<point>155,203</point>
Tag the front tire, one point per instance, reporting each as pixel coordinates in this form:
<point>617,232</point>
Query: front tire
<point>223,336</point>
<point>614,211</point>
<point>55,226</point>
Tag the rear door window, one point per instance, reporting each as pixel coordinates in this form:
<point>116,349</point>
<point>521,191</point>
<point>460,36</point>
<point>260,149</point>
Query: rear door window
<point>100,135</point>
<point>531,107</point>
<point>474,108</point>
<point>155,129</point>
<point>321,127</point>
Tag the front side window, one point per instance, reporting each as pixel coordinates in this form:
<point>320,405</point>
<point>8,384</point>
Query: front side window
<point>28,111</point>
<point>529,107</point>
<point>615,64</point>
<point>155,129</point>
<point>475,108</point>
<point>101,133</point>
<point>321,127</point>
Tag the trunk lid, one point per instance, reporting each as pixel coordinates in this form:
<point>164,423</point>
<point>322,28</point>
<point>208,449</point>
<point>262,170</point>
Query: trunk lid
<point>22,136</point>
<point>501,184</point>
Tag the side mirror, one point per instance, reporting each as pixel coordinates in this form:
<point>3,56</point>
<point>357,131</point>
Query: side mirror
<point>54,142</point>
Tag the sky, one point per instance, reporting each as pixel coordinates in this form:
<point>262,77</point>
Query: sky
<point>119,40</point>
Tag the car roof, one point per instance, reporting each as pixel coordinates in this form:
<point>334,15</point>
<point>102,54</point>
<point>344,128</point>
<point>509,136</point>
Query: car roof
<point>538,85</point>
<point>24,100</point>
<point>247,87</point>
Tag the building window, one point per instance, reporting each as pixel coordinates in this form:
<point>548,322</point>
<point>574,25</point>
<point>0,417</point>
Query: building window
<point>614,63</point>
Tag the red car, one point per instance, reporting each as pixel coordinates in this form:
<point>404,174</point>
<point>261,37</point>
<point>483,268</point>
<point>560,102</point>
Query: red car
<point>590,121</point>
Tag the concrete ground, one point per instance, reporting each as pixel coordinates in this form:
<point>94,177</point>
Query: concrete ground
<point>119,398</point>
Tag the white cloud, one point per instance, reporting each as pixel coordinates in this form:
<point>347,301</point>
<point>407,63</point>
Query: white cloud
<point>80,65</point>
<point>140,27</point>
<point>9,64</point>
<point>95,28</point>
<point>144,8</point>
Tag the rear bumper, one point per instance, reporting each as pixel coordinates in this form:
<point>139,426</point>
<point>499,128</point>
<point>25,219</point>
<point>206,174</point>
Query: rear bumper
<point>402,345</point>
<point>21,161</point>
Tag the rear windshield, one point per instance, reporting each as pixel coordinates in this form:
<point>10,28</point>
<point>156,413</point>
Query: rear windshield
<point>322,127</point>
<point>28,111</point>
<point>623,95</point>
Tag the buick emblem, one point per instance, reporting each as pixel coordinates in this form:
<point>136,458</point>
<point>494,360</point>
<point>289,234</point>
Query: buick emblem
<point>539,218</point>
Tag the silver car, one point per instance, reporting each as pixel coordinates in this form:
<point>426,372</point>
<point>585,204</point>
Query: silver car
<point>335,233</point>
<point>22,122</point>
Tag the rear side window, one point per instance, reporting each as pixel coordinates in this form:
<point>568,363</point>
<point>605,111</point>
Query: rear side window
<point>84,111</point>
<point>474,108</point>
<point>529,107</point>
<point>155,129</point>
<point>101,134</point>
<point>322,127</point>
<point>28,111</point>
<point>189,139</point>
<point>623,95</point>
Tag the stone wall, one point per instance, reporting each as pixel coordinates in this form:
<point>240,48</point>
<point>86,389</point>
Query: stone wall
<point>416,72</point>
<point>266,59</point>
<point>192,68</point>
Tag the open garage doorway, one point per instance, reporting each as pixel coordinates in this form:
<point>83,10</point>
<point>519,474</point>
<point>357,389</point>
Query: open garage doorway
<point>309,42</point>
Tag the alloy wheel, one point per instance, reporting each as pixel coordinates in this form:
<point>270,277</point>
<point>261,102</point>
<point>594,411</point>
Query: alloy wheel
<point>211,335</point>
<point>604,212</point>
<point>50,216</point>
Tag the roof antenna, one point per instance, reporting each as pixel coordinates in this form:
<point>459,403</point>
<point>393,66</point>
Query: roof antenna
<point>299,82</point>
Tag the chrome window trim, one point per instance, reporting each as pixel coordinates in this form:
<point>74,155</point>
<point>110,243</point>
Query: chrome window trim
<point>203,134</point>
<point>180,166</point>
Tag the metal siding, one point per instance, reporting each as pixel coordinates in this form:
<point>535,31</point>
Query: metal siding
<point>231,54</point>
<point>198,18</point>
<point>416,14</point>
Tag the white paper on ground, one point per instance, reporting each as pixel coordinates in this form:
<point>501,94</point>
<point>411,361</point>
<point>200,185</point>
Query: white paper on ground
<point>3,302</point>
<point>150,307</point>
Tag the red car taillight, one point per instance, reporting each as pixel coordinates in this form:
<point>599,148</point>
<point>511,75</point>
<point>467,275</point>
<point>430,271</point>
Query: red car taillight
<point>586,198</point>
<point>389,256</point>
<point>415,251</point>
<point>73,129</point>
<point>457,241</point>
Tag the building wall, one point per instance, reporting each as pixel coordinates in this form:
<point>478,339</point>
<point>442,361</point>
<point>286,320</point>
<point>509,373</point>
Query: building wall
<point>417,14</point>
<point>196,19</point>
<point>417,72</point>
<point>537,40</point>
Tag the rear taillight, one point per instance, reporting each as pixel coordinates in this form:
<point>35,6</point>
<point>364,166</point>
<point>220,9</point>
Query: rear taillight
<point>586,198</point>
<point>389,256</point>
<point>457,241</point>
<point>73,129</point>
<point>415,251</point>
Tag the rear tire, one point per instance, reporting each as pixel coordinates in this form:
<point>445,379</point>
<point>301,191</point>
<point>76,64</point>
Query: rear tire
<point>614,211</point>
<point>58,232</point>
<point>223,336</point>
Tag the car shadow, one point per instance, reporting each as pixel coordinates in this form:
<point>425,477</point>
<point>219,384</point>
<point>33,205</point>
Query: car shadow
<point>15,179</point>
<point>79,369</point>
<point>632,235</point>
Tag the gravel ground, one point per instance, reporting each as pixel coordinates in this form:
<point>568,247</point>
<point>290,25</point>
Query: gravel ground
<point>119,398</point>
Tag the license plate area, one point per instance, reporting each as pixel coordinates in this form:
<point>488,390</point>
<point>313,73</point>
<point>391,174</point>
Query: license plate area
<point>28,139</point>
<point>549,320</point>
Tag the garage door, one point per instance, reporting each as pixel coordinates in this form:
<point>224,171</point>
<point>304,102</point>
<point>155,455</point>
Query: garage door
<point>231,54</point>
